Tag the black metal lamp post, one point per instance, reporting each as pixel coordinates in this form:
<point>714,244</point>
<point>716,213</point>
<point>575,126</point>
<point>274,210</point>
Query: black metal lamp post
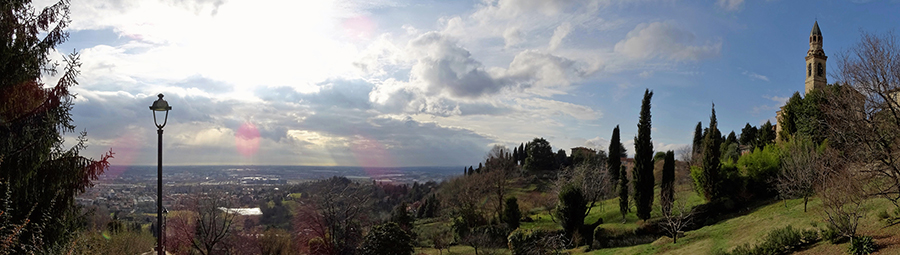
<point>159,105</point>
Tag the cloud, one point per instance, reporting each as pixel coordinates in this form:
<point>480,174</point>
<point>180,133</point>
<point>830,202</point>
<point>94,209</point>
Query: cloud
<point>443,67</point>
<point>512,36</point>
<point>665,40</point>
<point>558,108</point>
<point>559,34</point>
<point>730,5</point>
<point>756,76</point>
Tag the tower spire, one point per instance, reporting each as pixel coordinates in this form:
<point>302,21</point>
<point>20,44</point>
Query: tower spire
<point>815,60</point>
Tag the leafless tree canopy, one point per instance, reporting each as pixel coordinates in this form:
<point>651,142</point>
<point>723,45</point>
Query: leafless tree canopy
<point>801,170</point>
<point>591,177</point>
<point>863,115</point>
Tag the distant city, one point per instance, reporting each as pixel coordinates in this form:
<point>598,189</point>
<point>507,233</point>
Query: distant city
<point>132,189</point>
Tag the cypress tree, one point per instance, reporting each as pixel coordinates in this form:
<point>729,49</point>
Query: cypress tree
<point>623,192</point>
<point>643,161</point>
<point>614,161</point>
<point>709,179</point>
<point>667,193</point>
<point>698,138</point>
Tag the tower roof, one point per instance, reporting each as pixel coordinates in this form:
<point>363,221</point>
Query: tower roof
<point>815,30</point>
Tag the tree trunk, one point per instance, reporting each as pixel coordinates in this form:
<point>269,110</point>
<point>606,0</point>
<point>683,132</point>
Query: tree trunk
<point>805,201</point>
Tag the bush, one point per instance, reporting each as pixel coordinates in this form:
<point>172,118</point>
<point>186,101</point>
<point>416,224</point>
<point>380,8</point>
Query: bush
<point>527,242</point>
<point>832,235</point>
<point>862,245</point>
<point>780,241</point>
<point>600,235</point>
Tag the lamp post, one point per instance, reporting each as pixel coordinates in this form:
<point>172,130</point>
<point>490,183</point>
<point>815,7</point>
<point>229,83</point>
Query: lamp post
<point>159,105</point>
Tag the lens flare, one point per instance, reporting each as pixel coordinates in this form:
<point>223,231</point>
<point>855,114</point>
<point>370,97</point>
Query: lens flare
<point>247,139</point>
<point>374,157</point>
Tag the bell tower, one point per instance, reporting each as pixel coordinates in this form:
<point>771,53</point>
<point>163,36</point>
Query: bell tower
<point>815,61</point>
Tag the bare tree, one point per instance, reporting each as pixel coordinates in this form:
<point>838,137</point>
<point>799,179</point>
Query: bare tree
<point>686,154</point>
<point>213,224</point>
<point>500,167</point>
<point>863,114</point>
<point>800,171</point>
<point>843,194</point>
<point>591,177</point>
<point>342,205</point>
<point>677,218</point>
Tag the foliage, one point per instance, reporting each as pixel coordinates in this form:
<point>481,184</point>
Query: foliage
<point>623,193</point>
<point>535,242</point>
<point>511,214</point>
<point>123,242</point>
<point>862,245</point>
<point>387,239</point>
<point>766,134</point>
<point>401,216</point>
<point>804,117</point>
<point>708,179</point>
<point>749,136</point>
<point>540,155</point>
<point>780,241</point>
<point>571,208</point>
<point>760,167</point>
<point>643,161</point>
<point>615,160</point>
<point>667,191</point>
<point>39,177</point>
<point>276,242</point>
<point>697,144</point>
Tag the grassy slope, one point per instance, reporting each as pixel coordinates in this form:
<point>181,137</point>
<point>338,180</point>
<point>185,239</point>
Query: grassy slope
<point>748,228</point>
<point>752,227</point>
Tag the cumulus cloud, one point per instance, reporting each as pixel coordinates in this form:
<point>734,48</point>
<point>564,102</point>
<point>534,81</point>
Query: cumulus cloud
<point>730,5</point>
<point>445,76</point>
<point>559,34</point>
<point>512,36</point>
<point>665,40</point>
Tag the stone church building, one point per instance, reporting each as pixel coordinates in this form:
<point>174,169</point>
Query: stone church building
<point>815,69</point>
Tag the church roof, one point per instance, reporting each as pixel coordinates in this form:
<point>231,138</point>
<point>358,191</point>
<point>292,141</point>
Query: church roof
<point>815,29</point>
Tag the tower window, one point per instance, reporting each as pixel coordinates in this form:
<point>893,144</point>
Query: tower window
<point>808,70</point>
<point>819,69</point>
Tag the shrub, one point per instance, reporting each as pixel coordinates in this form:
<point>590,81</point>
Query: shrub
<point>862,245</point>
<point>522,242</point>
<point>779,241</point>
<point>600,235</point>
<point>832,235</point>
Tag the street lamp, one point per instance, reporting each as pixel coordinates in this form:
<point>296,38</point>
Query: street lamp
<point>158,106</point>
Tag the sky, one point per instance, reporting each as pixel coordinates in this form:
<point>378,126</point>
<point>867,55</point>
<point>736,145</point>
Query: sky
<point>389,83</point>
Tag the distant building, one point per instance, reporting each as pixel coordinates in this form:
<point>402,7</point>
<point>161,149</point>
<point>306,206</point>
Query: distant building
<point>583,151</point>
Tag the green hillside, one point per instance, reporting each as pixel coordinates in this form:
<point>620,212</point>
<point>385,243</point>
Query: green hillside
<point>750,228</point>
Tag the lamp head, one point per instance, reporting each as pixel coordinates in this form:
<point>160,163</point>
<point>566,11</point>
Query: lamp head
<point>160,104</point>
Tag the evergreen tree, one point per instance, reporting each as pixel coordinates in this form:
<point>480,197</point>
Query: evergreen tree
<point>698,138</point>
<point>667,191</point>
<point>515,155</point>
<point>512,214</point>
<point>387,239</point>
<point>766,134</point>
<point>570,208</point>
<point>643,161</point>
<point>471,170</point>
<point>39,176</point>
<point>623,192</point>
<point>401,216</point>
<point>748,136</point>
<point>522,154</point>
<point>614,161</point>
<point>709,179</point>
<point>540,155</point>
